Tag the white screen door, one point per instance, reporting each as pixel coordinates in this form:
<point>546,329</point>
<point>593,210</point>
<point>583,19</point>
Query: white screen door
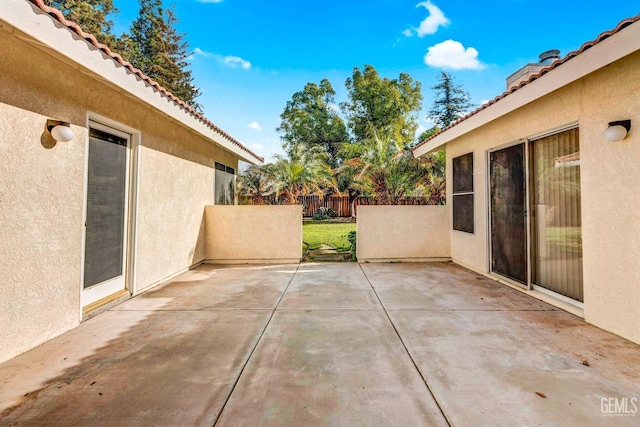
<point>107,213</point>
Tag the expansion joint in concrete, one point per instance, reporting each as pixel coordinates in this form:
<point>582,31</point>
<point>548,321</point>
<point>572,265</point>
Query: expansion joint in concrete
<point>264,329</point>
<point>406,349</point>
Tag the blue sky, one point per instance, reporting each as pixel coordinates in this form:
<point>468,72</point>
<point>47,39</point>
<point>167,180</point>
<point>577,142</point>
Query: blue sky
<point>251,56</point>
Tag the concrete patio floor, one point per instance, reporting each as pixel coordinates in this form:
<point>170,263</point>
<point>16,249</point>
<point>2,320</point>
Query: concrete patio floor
<point>327,344</point>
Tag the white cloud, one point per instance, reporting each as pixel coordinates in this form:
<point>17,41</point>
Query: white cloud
<point>234,61</point>
<point>255,125</point>
<point>431,23</point>
<point>256,147</point>
<point>198,51</point>
<point>485,101</point>
<point>452,54</point>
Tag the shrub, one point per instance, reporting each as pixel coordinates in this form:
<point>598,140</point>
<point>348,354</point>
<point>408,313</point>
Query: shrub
<point>352,237</point>
<point>324,213</point>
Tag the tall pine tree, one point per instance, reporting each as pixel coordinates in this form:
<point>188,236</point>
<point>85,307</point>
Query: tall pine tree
<point>451,101</point>
<point>91,16</point>
<point>156,48</point>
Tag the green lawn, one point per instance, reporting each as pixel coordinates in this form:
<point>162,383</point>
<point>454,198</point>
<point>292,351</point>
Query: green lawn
<point>333,234</point>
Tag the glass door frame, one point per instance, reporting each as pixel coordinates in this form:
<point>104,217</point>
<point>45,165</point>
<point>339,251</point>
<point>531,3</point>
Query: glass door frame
<point>527,206</point>
<point>95,295</point>
<point>528,141</point>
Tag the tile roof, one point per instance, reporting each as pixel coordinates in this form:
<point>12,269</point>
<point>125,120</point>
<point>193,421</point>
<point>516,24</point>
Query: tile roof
<point>56,14</point>
<point>623,24</point>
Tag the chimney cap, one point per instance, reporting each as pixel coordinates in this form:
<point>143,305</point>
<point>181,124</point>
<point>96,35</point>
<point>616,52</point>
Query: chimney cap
<point>549,56</point>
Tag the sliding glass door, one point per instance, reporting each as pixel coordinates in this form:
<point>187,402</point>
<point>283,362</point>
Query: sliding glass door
<point>557,225</point>
<point>507,178</point>
<point>544,252</point>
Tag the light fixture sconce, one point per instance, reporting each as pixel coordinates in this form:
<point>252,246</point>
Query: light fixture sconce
<point>60,131</point>
<point>617,131</point>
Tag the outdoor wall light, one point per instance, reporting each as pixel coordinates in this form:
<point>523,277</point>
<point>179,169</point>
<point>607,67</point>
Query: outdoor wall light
<point>60,131</point>
<point>617,131</point>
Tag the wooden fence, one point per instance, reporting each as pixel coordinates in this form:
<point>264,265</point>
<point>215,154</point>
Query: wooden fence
<point>341,205</point>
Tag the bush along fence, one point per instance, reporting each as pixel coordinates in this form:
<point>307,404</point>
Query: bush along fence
<point>340,206</point>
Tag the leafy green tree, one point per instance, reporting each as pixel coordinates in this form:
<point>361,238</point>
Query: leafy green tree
<point>161,52</point>
<point>310,118</point>
<point>305,171</point>
<point>91,16</point>
<point>428,133</point>
<point>450,103</point>
<point>384,105</point>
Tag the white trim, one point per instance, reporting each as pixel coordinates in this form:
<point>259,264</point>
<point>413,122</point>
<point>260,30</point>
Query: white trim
<point>553,131</point>
<point>565,300</point>
<point>527,211</point>
<point>607,51</point>
<point>135,136</point>
<point>54,38</point>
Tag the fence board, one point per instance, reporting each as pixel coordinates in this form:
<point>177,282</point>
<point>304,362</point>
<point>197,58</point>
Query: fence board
<point>340,204</point>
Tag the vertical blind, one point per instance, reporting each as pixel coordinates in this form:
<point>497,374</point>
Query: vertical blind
<point>106,204</point>
<point>557,227</point>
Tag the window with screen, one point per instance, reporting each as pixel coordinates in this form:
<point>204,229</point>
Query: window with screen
<point>463,203</point>
<point>225,184</point>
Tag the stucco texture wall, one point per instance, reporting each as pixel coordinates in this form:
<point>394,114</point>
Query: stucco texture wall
<point>253,234</point>
<point>402,233</point>
<point>609,177</point>
<point>42,191</point>
<point>176,183</point>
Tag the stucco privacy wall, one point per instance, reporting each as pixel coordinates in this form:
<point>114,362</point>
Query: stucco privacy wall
<point>42,192</point>
<point>172,196</point>
<point>403,233</point>
<point>609,177</point>
<point>238,234</point>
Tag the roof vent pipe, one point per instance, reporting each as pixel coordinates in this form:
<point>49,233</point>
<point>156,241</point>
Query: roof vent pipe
<point>549,56</point>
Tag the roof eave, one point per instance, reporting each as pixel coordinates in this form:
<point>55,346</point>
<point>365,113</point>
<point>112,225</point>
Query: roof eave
<point>85,55</point>
<point>592,56</point>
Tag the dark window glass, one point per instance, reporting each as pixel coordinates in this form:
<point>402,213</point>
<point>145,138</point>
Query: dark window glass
<point>463,213</point>
<point>463,174</point>
<point>463,199</point>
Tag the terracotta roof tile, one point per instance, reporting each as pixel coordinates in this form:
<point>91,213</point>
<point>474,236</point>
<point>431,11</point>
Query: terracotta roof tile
<point>56,14</point>
<point>623,24</point>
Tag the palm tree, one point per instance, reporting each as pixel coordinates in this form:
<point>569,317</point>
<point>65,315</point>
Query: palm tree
<point>433,182</point>
<point>380,167</point>
<point>304,171</point>
<point>256,182</point>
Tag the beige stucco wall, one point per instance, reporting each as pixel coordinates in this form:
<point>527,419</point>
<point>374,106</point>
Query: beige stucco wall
<point>610,196</point>
<point>41,195</point>
<point>175,185</point>
<point>610,175</point>
<point>42,192</point>
<point>402,233</point>
<point>253,234</point>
